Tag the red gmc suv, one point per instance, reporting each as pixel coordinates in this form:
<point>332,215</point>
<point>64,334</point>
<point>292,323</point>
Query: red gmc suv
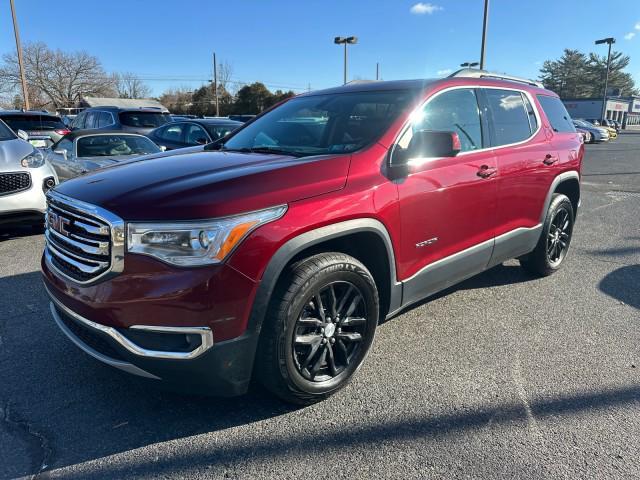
<point>273,253</point>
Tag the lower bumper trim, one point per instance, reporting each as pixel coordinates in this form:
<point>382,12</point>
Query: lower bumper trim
<point>126,366</point>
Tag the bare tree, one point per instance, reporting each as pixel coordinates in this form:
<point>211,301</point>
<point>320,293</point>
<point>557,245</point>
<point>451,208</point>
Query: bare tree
<point>178,100</point>
<point>56,78</point>
<point>225,72</point>
<point>128,85</point>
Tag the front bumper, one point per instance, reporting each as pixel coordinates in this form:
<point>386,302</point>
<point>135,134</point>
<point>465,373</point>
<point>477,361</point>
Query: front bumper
<point>222,369</point>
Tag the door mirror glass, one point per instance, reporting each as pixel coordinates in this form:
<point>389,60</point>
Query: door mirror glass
<point>427,144</point>
<point>23,135</point>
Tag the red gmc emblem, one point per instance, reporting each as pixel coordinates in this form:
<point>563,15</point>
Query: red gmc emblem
<point>58,223</point>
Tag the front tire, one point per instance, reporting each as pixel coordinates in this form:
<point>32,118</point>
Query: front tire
<point>319,328</point>
<point>553,245</point>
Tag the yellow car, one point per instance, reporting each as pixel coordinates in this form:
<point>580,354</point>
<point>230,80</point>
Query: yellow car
<point>613,133</point>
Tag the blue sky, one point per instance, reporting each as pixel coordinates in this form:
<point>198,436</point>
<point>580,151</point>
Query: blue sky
<point>289,44</point>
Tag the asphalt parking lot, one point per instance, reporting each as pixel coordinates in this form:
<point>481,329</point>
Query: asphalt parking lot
<point>503,376</point>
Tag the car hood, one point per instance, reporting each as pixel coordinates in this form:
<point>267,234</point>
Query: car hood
<point>206,184</point>
<point>11,152</point>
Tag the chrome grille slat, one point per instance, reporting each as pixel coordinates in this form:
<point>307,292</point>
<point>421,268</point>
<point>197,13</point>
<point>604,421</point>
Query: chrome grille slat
<point>80,266</point>
<point>88,249</point>
<point>83,242</point>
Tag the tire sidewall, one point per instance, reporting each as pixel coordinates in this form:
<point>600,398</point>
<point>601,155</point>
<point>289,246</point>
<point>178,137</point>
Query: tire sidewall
<point>558,202</point>
<point>339,271</point>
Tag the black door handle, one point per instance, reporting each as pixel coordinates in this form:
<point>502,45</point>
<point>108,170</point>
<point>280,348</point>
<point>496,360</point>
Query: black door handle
<point>486,171</point>
<point>549,159</point>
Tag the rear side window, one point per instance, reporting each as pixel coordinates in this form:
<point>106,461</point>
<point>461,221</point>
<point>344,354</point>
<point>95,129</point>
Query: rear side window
<point>33,122</point>
<point>510,116</point>
<point>556,113</point>
<point>105,119</point>
<point>144,119</point>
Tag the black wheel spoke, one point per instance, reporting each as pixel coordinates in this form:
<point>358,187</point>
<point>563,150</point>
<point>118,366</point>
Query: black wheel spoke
<point>353,306</point>
<point>331,361</point>
<point>308,339</point>
<point>318,365</point>
<point>344,299</point>
<point>343,351</point>
<point>353,321</point>
<point>319,307</point>
<point>310,322</point>
<point>312,353</point>
<point>334,301</point>
<point>350,337</point>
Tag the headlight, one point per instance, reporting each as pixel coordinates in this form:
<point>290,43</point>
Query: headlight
<point>34,160</point>
<point>204,242</point>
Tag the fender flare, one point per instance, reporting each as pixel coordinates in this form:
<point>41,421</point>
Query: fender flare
<point>292,247</point>
<point>571,174</point>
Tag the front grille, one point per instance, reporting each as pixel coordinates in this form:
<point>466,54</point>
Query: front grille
<point>14,182</point>
<point>90,337</point>
<point>78,243</point>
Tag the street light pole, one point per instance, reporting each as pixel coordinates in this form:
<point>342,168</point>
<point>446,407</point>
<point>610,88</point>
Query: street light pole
<point>25,95</point>
<point>484,33</point>
<point>345,41</point>
<point>610,41</point>
<point>215,84</point>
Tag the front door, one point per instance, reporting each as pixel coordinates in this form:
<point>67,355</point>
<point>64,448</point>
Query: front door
<point>447,208</point>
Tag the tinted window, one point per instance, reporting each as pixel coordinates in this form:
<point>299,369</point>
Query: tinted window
<point>113,145</point>
<point>195,135</point>
<point>144,119</point>
<point>216,132</point>
<point>64,144</point>
<point>90,122</point>
<point>172,133</point>
<point>33,122</point>
<point>510,118</point>
<point>78,122</point>
<point>5,132</point>
<point>453,111</point>
<point>556,113</point>
<point>322,124</point>
<point>104,119</point>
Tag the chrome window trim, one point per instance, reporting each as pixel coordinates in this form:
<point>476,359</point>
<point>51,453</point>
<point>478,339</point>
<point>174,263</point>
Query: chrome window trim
<point>422,105</point>
<point>206,336</point>
<point>117,236</point>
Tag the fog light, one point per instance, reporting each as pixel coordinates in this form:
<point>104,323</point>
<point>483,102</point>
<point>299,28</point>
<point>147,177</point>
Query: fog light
<point>48,184</point>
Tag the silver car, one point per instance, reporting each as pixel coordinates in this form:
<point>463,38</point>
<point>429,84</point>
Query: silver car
<point>25,177</point>
<point>82,151</point>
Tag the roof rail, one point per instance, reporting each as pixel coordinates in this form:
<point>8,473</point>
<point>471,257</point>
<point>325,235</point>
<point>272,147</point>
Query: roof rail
<point>475,73</point>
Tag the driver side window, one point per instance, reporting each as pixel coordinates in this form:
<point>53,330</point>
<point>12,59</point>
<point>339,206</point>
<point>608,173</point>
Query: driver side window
<point>66,144</point>
<point>453,111</point>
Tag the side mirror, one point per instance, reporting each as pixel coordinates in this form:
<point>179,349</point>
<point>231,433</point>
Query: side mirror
<point>163,148</point>
<point>62,152</point>
<point>23,135</point>
<point>202,141</point>
<point>426,144</point>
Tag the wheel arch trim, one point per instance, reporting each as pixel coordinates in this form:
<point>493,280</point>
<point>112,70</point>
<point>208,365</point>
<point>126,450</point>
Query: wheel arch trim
<point>563,177</point>
<point>297,244</point>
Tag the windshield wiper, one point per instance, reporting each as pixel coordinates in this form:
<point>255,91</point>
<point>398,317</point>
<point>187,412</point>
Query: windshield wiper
<point>263,149</point>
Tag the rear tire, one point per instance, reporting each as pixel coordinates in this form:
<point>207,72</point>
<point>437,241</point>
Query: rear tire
<point>555,239</point>
<point>319,327</point>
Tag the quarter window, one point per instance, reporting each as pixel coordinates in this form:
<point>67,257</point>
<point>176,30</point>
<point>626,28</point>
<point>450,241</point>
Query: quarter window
<point>452,111</point>
<point>511,122</point>
<point>556,113</point>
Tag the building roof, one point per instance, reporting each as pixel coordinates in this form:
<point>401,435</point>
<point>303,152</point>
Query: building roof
<point>123,102</point>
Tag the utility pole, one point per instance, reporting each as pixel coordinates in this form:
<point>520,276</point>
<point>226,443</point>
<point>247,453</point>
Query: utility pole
<point>377,70</point>
<point>215,84</point>
<point>25,95</point>
<point>610,41</point>
<point>484,33</point>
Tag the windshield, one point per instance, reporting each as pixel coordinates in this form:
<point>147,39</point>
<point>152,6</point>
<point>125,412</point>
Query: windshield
<point>323,124</point>
<point>33,122</point>
<point>144,119</point>
<point>6,133</point>
<point>113,145</point>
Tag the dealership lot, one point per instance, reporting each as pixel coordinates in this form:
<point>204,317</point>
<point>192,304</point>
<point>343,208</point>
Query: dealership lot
<point>501,376</point>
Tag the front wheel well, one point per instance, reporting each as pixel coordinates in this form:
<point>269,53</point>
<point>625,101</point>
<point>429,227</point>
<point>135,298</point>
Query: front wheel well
<point>368,248</point>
